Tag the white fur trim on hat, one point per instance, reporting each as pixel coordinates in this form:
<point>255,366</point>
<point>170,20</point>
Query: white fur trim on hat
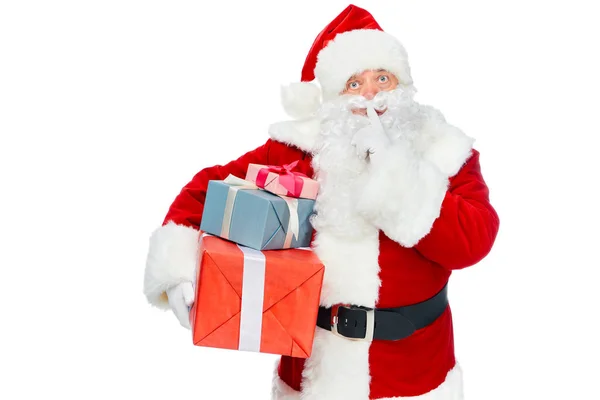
<point>356,51</point>
<point>301,99</point>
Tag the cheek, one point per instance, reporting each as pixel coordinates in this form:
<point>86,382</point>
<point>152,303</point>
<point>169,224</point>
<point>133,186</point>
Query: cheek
<point>389,85</point>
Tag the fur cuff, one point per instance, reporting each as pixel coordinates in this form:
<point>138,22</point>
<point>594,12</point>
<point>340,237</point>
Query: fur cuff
<point>172,258</point>
<point>403,194</point>
<point>442,144</point>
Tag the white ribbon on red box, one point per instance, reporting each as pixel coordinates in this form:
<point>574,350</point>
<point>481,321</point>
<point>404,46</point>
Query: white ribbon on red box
<point>253,294</point>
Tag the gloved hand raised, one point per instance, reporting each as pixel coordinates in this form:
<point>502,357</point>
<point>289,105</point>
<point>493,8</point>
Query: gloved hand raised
<point>371,140</point>
<point>181,298</point>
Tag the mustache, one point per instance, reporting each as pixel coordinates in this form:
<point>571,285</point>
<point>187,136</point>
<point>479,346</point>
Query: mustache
<point>400,114</point>
<point>398,98</point>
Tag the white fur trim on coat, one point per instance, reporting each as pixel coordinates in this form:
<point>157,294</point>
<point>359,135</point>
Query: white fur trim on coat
<point>351,266</point>
<point>299,133</point>
<point>337,369</point>
<point>358,50</point>
<point>450,389</point>
<point>444,145</point>
<point>172,259</point>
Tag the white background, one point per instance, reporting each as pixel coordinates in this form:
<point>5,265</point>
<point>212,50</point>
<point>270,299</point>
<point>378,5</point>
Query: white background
<point>107,108</point>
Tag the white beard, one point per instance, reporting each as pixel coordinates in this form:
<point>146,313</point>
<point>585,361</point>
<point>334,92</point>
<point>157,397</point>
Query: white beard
<point>340,171</point>
<point>346,241</point>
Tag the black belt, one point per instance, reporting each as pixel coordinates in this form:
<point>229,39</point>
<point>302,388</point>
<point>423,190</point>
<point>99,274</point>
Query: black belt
<point>362,323</point>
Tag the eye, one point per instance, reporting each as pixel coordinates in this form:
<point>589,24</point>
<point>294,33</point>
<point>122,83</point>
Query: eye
<point>353,85</point>
<point>383,79</point>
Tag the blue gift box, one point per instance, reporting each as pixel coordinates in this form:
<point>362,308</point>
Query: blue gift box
<point>258,219</point>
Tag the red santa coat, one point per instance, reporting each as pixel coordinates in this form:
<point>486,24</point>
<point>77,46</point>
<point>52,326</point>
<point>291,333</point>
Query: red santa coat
<point>402,266</point>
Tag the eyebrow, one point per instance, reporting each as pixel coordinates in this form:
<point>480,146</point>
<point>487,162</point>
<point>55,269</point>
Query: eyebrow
<point>355,76</point>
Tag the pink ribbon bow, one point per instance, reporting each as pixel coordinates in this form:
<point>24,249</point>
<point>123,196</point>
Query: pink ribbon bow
<point>290,180</point>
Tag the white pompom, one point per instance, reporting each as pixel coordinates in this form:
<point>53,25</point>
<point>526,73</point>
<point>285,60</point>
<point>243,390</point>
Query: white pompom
<point>301,99</point>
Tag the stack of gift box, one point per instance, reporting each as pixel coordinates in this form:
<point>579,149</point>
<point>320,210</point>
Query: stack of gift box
<point>258,283</point>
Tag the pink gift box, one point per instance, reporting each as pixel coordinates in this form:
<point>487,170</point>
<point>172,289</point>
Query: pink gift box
<point>281,180</point>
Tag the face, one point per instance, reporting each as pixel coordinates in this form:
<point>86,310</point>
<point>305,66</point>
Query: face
<point>368,84</point>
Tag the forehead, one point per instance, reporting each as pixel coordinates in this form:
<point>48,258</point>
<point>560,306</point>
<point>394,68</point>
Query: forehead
<point>369,72</point>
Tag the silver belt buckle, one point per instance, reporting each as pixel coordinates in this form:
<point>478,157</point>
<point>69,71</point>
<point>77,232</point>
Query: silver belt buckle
<point>370,314</point>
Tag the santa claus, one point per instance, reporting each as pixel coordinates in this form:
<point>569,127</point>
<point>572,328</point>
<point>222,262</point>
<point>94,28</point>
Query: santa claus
<point>402,203</point>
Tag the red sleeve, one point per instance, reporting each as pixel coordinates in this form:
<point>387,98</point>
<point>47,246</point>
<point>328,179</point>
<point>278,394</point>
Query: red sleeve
<point>466,229</point>
<point>187,207</point>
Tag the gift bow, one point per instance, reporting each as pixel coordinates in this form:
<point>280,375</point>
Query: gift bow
<point>235,183</point>
<point>290,180</point>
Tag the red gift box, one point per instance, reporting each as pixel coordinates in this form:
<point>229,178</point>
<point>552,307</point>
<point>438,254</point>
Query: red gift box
<point>256,301</point>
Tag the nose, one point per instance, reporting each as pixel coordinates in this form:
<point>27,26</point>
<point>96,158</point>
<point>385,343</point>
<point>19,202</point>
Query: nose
<point>369,90</point>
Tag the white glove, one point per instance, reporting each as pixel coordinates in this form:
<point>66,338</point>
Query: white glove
<point>371,140</point>
<point>181,298</point>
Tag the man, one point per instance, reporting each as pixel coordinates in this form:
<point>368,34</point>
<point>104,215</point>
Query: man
<point>402,203</point>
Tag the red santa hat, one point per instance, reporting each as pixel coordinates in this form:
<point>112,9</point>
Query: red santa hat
<point>350,44</point>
